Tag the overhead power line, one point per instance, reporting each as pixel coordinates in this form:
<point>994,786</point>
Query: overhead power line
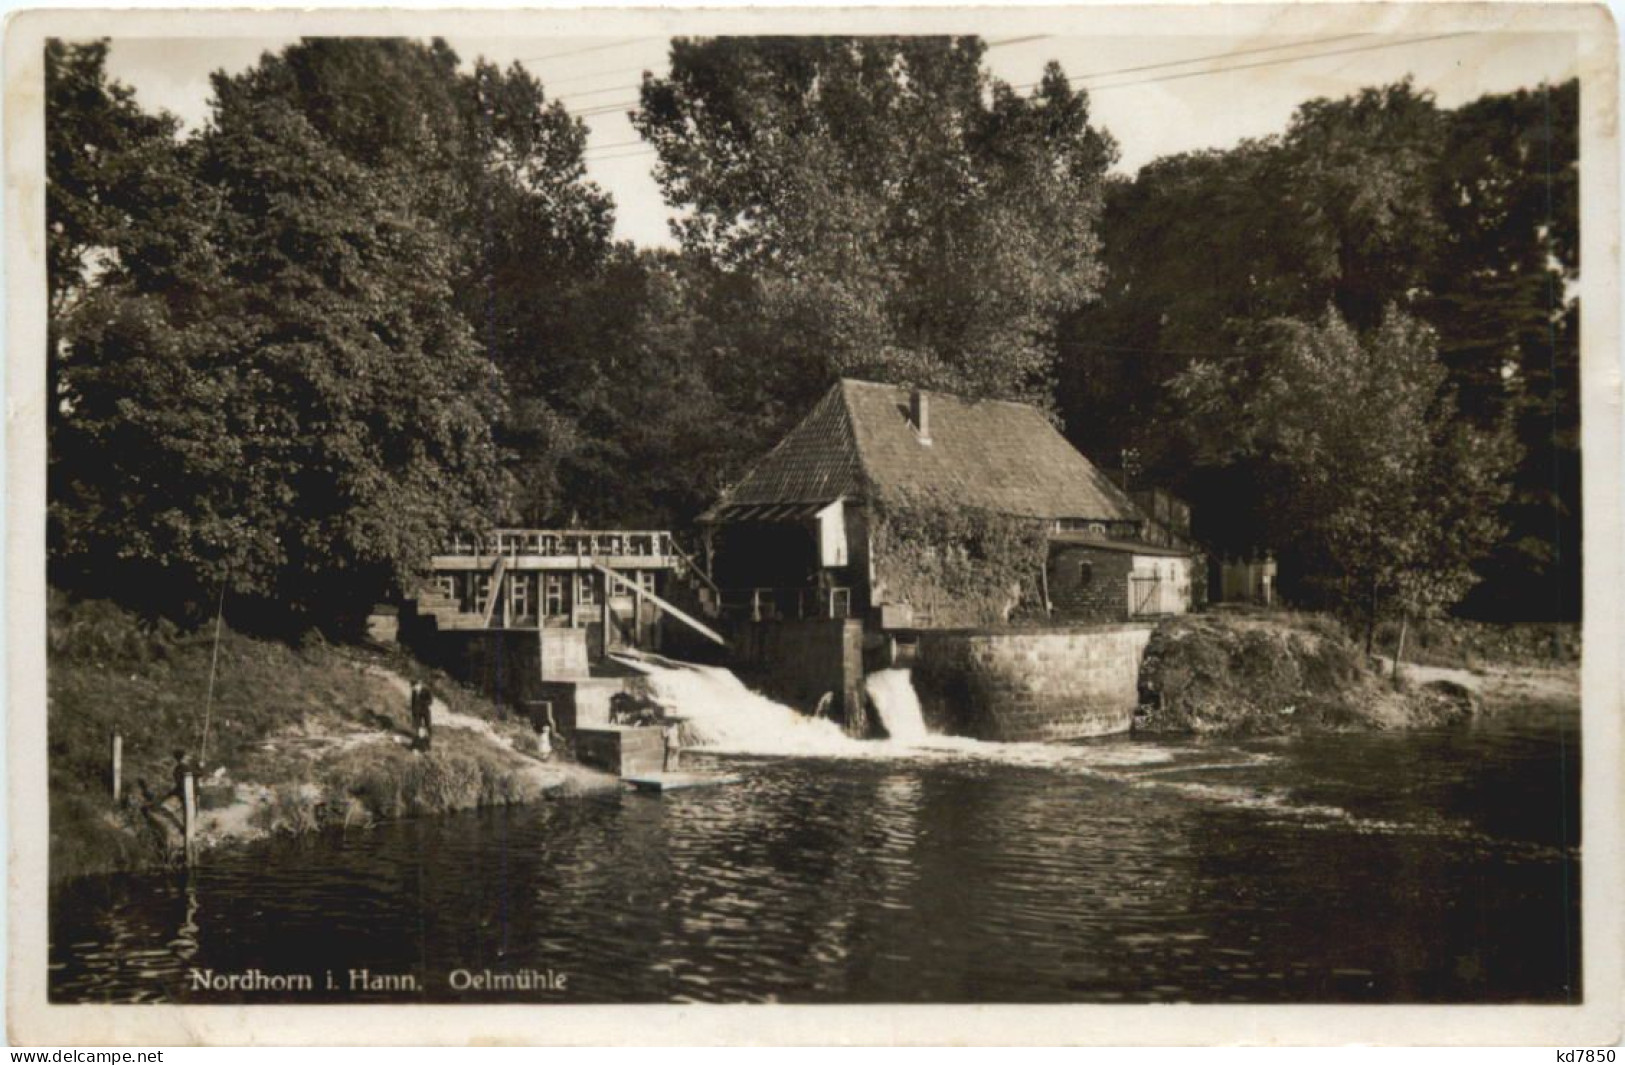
<point>1277,62</point>
<point>1281,61</point>
<point>632,70</point>
<point>1018,40</point>
<point>1312,43</point>
<point>583,51</point>
<point>602,109</point>
<point>574,78</point>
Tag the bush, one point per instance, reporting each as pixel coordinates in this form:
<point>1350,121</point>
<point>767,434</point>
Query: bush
<point>1268,673</point>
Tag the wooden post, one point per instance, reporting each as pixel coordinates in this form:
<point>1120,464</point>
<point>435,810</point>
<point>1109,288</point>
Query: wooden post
<point>189,815</point>
<point>118,767</point>
<point>609,617</point>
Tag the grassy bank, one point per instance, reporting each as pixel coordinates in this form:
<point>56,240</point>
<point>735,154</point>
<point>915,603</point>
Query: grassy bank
<point>1276,671</point>
<point>300,739</point>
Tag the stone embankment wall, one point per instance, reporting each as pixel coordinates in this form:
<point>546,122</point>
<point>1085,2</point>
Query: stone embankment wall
<point>1031,684</point>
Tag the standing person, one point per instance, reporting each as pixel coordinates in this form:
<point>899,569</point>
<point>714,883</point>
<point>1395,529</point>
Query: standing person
<point>425,717</point>
<point>420,716</point>
<point>673,735</point>
<point>544,744</point>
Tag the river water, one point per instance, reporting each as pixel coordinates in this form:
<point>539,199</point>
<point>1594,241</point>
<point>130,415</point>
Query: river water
<point>1377,867</point>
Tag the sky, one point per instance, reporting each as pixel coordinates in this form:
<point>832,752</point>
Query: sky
<point>1156,94</point>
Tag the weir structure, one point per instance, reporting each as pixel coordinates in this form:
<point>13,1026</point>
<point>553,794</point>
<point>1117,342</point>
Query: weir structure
<point>965,539</point>
<point>532,616</point>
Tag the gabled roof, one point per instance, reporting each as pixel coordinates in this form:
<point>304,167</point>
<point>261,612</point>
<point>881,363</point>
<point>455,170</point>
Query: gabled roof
<point>858,442</point>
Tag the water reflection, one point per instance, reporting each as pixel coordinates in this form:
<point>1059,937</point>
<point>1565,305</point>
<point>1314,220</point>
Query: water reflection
<point>1437,867</point>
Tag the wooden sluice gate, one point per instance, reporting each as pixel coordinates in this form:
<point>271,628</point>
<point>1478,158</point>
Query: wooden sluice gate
<point>533,615</point>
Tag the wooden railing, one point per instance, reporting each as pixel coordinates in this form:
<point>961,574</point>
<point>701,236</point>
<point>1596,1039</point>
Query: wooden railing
<point>787,604</point>
<point>564,543</point>
<point>692,567</point>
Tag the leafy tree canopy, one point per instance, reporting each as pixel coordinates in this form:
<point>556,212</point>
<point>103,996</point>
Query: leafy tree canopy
<point>1466,219</point>
<point>1371,480</point>
<point>899,214</point>
<point>301,412</point>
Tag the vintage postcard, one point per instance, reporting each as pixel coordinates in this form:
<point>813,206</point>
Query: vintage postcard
<point>810,525</point>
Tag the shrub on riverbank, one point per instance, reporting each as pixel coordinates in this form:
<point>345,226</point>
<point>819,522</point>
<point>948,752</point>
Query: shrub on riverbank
<point>1463,644</point>
<point>300,738</point>
<point>1276,672</point>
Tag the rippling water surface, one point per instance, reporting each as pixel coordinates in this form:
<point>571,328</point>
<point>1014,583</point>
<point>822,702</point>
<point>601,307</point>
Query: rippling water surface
<point>1436,867</point>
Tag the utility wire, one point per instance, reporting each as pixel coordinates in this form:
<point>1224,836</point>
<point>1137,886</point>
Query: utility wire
<point>600,109</point>
<point>1018,40</point>
<point>1279,62</point>
<point>575,78</point>
<point>603,109</point>
<point>1205,73</point>
<point>583,51</point>
<point>1315,42</point>
<point>627,70</point>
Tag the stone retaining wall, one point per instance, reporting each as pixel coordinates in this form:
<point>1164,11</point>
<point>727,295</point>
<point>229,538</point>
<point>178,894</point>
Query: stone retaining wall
<point>564,653</point>
<point>1026,685</point>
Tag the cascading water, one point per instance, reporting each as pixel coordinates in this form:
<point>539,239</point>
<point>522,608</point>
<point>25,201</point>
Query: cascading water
<point>892,693</point>
<point>723,715</point>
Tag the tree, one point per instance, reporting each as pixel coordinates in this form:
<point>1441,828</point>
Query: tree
<point>115,176</point>
<point>651,449</point>
<point>1466,219</point>
<point>1371,478</point>
<point>889,209</point>
<point>498,170</point>
<point>304,416</point>
<point>109,166</point>
<point>1500,293</point>
<point>1201,248</point>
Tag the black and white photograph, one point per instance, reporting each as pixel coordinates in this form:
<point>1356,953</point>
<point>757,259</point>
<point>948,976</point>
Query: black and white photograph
<point>1078,507</point>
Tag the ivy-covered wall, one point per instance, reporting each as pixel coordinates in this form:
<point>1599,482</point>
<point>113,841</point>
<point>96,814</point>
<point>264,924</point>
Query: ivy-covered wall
<point>956,566</point>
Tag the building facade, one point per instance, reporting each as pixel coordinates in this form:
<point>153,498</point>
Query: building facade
<point>800,536</point>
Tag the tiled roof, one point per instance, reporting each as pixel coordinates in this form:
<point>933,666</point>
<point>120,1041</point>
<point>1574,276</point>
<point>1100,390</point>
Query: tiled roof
<point>816,463</point>
<point>989,454</point>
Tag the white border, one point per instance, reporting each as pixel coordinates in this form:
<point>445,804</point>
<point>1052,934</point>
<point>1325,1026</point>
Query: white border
<point>31,1020</point>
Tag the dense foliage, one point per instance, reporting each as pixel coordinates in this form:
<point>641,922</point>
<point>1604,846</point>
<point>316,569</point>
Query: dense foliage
<point>1370,479</point>
<point>963,566</point>
<point>376,298</point>
<point>899,214</point>
<point>267,384</point>
<point>1466,219</point>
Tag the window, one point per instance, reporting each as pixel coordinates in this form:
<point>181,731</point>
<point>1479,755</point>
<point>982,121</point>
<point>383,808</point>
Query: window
<point>553,591</point>
<point>482,590</point>
<point>1086,574</point>
<point>584,589</point>
<point>646,580</point>
<point>519,595</point>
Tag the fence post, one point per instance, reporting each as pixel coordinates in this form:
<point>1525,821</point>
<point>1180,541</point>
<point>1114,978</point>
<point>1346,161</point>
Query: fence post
<point>118,767</point>
<point>189,815</point>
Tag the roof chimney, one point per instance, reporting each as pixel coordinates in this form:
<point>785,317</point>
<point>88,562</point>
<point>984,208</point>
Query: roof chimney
<point>919,412</point>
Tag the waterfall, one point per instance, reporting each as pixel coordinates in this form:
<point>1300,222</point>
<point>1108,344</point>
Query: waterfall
<point>724,715</point>
<point>892,693</point>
